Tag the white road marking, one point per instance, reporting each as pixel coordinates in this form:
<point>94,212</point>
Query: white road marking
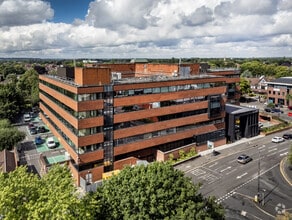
<point>272,154</point>
<point>282,150</point>
<point>214,164</point>
<point>261,147</point>
<point>242,175</point>
<point>272,150</point>
<point>231,171</point>
<point>227,168</point>
<point>283,154</point>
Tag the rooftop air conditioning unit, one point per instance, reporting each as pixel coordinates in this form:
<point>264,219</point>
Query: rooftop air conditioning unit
<point>174,73</point>
<point>116,76</point>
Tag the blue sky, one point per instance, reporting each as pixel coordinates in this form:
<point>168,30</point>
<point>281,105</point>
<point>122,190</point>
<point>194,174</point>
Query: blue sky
<point>68,10</point>
<point>145,29</point>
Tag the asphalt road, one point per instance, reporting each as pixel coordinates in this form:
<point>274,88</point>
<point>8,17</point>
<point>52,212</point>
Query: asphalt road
<point>235,185</point>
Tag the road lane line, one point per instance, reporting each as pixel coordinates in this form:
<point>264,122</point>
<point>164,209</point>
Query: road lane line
<point>227,168</point>
<point>282,150</point>
<point>272,150</point>
<point>231,171</point>
<point>283,154</point>
<point>272,154</point>
<point>242,175</point>
<point>259,148</point>
<point>214,164</point>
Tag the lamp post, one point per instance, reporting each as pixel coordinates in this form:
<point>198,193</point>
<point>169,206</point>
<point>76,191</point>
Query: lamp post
<point>259,174</point>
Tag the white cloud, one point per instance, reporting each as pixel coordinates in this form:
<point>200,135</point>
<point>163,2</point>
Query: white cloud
<point>24,12</point>
<point>153,28</point>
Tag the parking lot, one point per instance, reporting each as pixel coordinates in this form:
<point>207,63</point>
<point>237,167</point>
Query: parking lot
<point>34,151</point>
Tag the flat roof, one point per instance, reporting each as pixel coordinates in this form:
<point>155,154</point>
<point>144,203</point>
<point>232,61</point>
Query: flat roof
<point>236,109</point>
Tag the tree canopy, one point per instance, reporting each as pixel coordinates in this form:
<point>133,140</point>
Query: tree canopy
<point>26,196</point>
<point>244,86</point>
<point>9,135</point>
<point>155,191</point>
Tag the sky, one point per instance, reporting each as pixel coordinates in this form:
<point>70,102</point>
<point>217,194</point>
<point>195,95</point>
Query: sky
<point>94,29</point>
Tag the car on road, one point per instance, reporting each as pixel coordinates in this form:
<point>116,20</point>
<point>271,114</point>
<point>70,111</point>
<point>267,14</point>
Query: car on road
<point>287,136</point>
<point>243,159</point>
<point>51,142</point>
<point>38,140</point>
<point>277,139</point>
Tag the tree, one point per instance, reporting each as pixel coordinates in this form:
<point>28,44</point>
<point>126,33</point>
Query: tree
<point>244,86</point>
<point>26,196</point>
<point>10,100</point>
<point>9,135</point>
<point>28,84</point>
<point>155,191</point>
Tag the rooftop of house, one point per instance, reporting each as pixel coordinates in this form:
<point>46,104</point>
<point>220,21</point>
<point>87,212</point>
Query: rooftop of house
<point>7,161</point>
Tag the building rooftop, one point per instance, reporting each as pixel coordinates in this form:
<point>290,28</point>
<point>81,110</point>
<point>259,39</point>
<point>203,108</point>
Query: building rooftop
<point>283,80</point>
<point>160,78</point>
<point>235,109</point>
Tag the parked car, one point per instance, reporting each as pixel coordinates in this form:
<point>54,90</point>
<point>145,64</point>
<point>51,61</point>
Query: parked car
<point>277,139</point>
<point>287,136</point>
<point>51,142</point>
<point>41,129</point>
<point>261,124</point>
<point>38,140</point>
<point>268,110</point>
<point>33,130</point>
<point>30,125</point>
<point>243,159</point>
<point>276,110</point>
<point>26,118</point>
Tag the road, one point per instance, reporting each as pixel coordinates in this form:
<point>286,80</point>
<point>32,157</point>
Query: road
<point>235,185</point>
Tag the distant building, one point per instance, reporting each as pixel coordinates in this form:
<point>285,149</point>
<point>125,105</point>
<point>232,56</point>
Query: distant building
<point>280,91</point>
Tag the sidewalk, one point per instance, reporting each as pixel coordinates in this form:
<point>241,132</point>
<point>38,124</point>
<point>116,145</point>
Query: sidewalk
<point>224,150</point>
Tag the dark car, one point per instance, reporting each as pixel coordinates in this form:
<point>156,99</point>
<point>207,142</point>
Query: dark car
<point>243,159</point>
<point>38,140</point>
<point>268,110</point>
<point>287,136</point>
<point>41,129</point>
<point>33,130</point>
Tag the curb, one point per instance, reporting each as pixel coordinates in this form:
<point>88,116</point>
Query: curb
<point>282,170</point>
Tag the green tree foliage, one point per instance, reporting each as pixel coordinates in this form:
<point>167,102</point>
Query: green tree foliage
<point>10,100</point>
<point>244,86</point>
<point>259,68</point>
<point>11,68</point>
<point>28,84</point>
<point>26,196</point>
<point>155,191</point>
<point>9,135</point>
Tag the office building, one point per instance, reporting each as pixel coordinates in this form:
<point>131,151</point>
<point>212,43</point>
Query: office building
<point>109,116</point>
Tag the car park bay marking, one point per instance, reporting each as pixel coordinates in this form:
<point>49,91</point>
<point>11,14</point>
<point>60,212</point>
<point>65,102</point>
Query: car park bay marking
<point>242,175</point>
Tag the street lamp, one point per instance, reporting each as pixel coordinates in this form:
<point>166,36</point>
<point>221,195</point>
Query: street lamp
<point>259,174</point>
